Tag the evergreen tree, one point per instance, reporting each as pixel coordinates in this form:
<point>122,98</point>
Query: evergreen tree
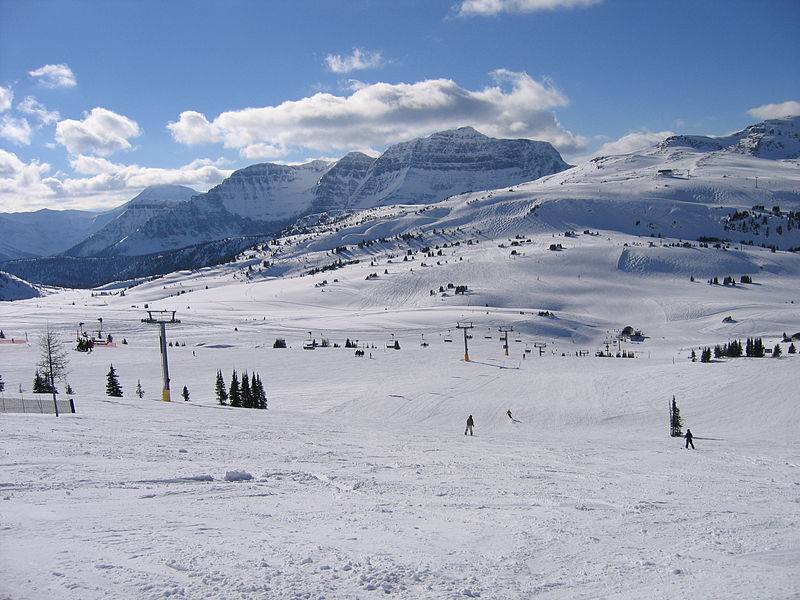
<point>693,356</point>
<point>38,383</point>
<point>259,396</point>
<point>235,394</point>
<point>113,388</point>
<point>3,385</point>
<point>792,350</point>
<point>675,421</point>
<point>705,355</point>
<point>185,394</point>
<point>222,395</point>
<point>247,394</point>
<point>69,390</point>
<point>139,389</point>
<point>776,351</point>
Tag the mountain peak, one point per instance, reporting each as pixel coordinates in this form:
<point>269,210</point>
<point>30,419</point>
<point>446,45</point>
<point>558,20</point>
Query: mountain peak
<point>773,139</point>
<point>460,132</point>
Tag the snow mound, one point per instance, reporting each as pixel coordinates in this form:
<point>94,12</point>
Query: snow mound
<point>238,476</point>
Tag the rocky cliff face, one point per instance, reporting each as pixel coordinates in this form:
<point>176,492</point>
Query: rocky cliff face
<point>452,162</point>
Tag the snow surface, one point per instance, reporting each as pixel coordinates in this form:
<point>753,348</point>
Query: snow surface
<point>358,481</point>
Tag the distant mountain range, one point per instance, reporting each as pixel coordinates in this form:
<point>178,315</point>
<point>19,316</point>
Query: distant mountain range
<point>681,187</point>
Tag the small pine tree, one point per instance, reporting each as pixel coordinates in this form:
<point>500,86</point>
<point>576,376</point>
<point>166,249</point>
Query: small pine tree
<point>247,393</point>
<point>705,355</point>
<point>235,394</point>
<point>2,384</point>
<point>69,390</point>
<point>113,388</point>
<point>139,389</point>
<point>185,394</point>
<point>675,421</point>
<point>693,356</point>
<point>38,383</point>
<point>222,395</point>
<point>776,351</point>
<point>792,350</point>
<point>259,396</point>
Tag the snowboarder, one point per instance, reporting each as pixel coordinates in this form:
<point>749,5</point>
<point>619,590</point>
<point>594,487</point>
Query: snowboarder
<point>470,425</point>
<point>689,437</point>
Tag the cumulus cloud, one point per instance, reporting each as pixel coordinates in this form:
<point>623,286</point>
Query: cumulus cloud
<point>382,113</point>
<point>358,60</point>
<point>261,152</point>
<point>775,111</point>
<point>98,183</point>
<point>102,132</point>
<point>16,130</point>
<point>6,98</point>
<point>54,76</point>
<point>21,183</point>
<point>31,106</point>
<point>469,8</point>
<point>626,144</point>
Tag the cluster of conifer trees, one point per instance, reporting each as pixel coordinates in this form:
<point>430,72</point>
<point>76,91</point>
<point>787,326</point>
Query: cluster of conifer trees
<point>249,393</point>
<point>753,348</point>
<point>41,384</point>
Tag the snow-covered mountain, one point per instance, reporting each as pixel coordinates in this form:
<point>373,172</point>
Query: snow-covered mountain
<point>153,201</point>
<point>775,139</point>
<point>693,188</point>
<point>267,197</point>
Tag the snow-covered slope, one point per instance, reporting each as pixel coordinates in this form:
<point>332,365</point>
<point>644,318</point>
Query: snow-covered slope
<point>151,202</point>
<point>14,288</point>
<point>358,481</point>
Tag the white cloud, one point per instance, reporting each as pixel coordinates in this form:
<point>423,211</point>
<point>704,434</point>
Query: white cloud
<point>54,76</point>
<point>627,144</point>
<point>21,185</point>
<point>261,152</point>
<point>358,60</point>
<point>16,130</point>
<point>6,98</point>
<point>100,184</point>
<point>775,111</point>
<point>469,8</point>
<point>31,106</point>
<point>382,113</point>
<point>102,132</point>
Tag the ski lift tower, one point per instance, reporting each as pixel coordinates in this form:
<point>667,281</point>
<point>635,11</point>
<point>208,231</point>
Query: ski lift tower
<point>466,326</point>
<point>162,318</point>
<point>504,331</point>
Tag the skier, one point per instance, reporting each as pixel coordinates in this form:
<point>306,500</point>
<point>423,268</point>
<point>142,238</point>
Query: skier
<point>470,425</point>
<point>689,438</point>
<point>508,412</point>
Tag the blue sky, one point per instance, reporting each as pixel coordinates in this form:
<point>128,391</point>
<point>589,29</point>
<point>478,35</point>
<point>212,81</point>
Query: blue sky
<point>99,99</point>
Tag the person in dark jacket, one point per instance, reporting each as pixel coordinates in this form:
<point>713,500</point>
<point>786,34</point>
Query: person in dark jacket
<point>470,425</point>
<point>689,437</point>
